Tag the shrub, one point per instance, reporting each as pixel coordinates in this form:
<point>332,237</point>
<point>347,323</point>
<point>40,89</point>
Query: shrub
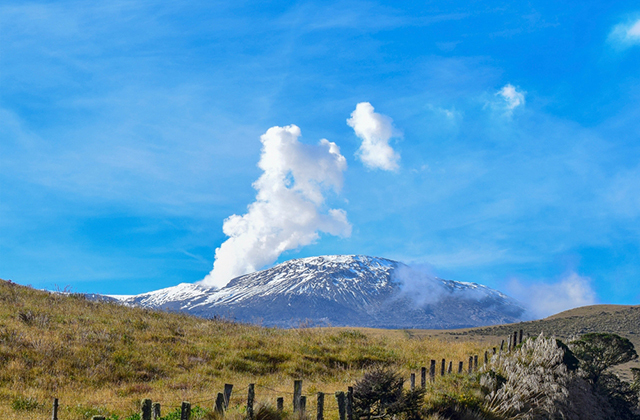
<point>534,383</point>
<point>620,395</point>
<point>599,351</point>
<point>529,383</point>
<point>380,394</point>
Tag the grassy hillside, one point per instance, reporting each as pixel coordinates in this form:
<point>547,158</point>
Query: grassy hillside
<point>99,357</point>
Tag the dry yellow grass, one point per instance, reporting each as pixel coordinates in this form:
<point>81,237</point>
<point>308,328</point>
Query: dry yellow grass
<point>103,357</point>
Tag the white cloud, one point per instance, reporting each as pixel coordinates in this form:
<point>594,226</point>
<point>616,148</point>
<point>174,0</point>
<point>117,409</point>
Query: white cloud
<point>543,299</point>
<point>626,34</point>
<point>287,213</point>
<point>375,130</point>
<point>512,97</point>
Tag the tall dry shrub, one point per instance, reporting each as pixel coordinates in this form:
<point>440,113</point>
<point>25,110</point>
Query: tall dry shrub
<point>533,382</point>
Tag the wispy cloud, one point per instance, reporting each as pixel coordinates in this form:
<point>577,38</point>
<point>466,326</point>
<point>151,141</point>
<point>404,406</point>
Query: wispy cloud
<point>375,130</point>
<point>512,97</point>
<point>360,15</point>
<point>626,34</point>
<point>544,299</point>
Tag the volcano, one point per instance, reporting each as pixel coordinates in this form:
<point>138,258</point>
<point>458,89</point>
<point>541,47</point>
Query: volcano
<point>340,290</point>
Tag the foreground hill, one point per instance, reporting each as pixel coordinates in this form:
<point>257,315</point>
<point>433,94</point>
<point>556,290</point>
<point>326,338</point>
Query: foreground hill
<point>340,290</point>
<point>103,357</point>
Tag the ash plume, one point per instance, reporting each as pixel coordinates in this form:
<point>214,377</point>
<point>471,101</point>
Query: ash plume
<point>289,210</point>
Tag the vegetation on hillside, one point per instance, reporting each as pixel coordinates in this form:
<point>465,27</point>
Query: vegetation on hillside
<point>104,358</point>
<point>540,379</point>
<point>100,357</point>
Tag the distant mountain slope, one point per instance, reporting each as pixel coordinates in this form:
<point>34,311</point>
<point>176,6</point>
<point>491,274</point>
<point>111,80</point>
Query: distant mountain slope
<point>340,290</point>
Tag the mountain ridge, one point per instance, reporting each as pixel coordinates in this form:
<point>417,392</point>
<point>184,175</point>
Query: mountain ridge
<point>340,290</point>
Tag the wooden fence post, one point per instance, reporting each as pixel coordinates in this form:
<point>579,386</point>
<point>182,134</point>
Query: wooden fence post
<point>486,357</point>
<point>460,366</point>
<point>515,339</point>
<point>494,350</point>
<point>475,363</point>
<point>349,406</point>
<point>341,405</point>
<point>297,393</point>
<point>219,404</point>
<point>185,411</point>
<point>450,369</point>
<point>520,338</point>
<point>227,395</point>
<point>303,405</point>
<point>413,381</point>
<point>470,364</point>
<point>423,377</point>
<point>432,371</point>
<point>320,406</point>
<point>250,397</point>
<point>442,367</point>
<point>155,408</point>
<point>502,346</point>
<point>280,404</point>
<point>510,338</point>
<point>145,409</point>
<point>54,415</point>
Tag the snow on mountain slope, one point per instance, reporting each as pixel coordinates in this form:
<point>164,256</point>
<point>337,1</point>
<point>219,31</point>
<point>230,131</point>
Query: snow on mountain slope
<point>345,279</point>
<point>337,290</point>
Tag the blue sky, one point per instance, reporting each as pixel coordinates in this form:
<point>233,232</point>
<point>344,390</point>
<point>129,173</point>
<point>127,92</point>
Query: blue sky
<point>130,131</point>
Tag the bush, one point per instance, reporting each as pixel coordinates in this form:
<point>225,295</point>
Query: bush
<point>599,351</point>
<point>380,394</point>
<point>534,383</point>
<point>620,395</point>
<point>529,383</point>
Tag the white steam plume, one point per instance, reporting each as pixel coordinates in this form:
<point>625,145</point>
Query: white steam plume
<point>287,213</point>
<point>543,299</point>
<point>375,130</point>
<point>419,284</point>
<point>422,287</point>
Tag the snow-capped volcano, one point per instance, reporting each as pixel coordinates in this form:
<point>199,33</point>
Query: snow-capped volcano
<point>340,290</point>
